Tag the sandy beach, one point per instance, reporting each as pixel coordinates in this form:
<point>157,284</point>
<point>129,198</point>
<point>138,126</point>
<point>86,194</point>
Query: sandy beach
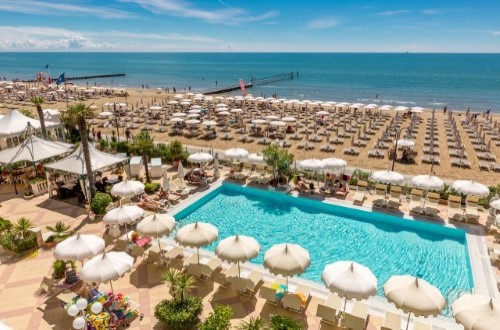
<point>445,170</point>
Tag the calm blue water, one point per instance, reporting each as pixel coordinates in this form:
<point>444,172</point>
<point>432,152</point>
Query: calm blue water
<point>387,245</point>
<point>426,80</point>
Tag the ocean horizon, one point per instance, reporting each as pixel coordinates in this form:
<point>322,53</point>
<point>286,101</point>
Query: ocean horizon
<point>429,80</point>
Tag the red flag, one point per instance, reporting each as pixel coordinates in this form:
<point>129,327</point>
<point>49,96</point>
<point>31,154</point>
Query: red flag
<point>243,88</point>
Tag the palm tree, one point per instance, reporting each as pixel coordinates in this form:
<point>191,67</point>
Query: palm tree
<point>171,275</point>
<point>60,230</point>
<point>76,116</point>
<point>22,226</point>
<point>144,143</point>
<point>37,101</point>
<point>254,323</point>
<point>184,284</point>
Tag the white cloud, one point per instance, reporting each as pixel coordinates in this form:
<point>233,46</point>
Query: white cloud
<point>33,38</point>
<point>394,12</point>
<point>496,33</point>
<point>228,15</point>
<point>432,11</point>
<point>42,7</point>
<point>322,23</point>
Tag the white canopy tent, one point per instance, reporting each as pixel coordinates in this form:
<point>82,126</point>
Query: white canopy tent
<point>34,149</point>
<point>14,123</point>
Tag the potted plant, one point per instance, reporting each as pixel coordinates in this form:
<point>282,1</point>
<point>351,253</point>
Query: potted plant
<point>176,152</point>
<point>58,233</point>
<point>28,194</point>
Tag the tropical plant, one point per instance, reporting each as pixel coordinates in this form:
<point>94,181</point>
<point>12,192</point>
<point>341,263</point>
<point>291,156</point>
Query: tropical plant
<point>59,266</point>
<point>11,241</point>
<point>100,202</point>
<point>219,319</point>
<point>179,314</point>
<point>170,276</point>
<point>254,323</point>
<point>176,151</point>
<point>279,322</point>
<point>37,102</point>
<point>151,187</point>
<point>144,143</point>
<point>279,159</point>
<point>60,231</point>
<point>183,285</point>
<point>27,113</point>
<point>76,116</point>
<point>5,225</point>
<point>22,226</point>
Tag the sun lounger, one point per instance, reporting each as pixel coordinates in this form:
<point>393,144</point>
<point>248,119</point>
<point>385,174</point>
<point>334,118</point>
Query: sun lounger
<point>391,321</point>
<point>380,195</point>
<point>356,320</point>
<point>327,311</point>
<point>208,269</point>
<point>358,198</point>
<point>268,293</point>
<point>455,211</point>
<point>431,204</point>
<point>395,197</point>
<point>247,285</point>
<point>297,301</point>
<point>137,251</point>
<point>362,185</point>
<point>194,269</point>
<point>421,326</point>
<point>154,257</point>
<point>121,245</point>
<point>416,201</point>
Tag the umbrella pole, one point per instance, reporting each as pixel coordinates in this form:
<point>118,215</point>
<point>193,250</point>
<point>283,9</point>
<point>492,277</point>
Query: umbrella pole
<point>239,274</point>
<point>345,303</point>
<point>408,323</point>
<point>126,231</point>
<point>111,284</point>
<point>198,251</point>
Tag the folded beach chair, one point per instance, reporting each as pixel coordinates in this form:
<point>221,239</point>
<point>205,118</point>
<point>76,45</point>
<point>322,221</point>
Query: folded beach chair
<point>194,269</point>
<point>297,301</point>
<point>362,185</point>
<point>172,253</point>
<point>356,320</point>
<point>154,257</point>
<point>391,321</point>
<point>229,275</point>
<point>327,311</point>
<point>121,245</point>
<point>358,198</point>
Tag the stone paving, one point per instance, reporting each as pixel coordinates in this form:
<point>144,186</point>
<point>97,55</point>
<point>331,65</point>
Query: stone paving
<point>21,277</point>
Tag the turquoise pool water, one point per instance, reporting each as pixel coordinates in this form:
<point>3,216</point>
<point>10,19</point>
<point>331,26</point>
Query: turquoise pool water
<point>388,245</point>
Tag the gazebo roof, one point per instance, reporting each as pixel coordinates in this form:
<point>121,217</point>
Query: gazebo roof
<point>75,163</point>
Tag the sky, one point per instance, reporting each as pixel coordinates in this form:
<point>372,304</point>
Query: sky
<point>456,26</point>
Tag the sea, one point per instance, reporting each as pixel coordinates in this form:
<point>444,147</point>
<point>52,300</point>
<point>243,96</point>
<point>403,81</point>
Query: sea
<point>458,81</point>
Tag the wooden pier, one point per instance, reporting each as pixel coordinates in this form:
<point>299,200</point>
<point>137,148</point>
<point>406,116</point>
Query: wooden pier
<point>254,82</point>
<point>112,75</point>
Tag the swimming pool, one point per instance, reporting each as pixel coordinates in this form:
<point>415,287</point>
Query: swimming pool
<point>388,245</point>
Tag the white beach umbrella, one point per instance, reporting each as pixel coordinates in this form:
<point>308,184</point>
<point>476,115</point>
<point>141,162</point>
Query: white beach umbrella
<point>256,158</point>
<point>414,295</point>
<point>194,111</point>
<point>406,143</point>
<point>311,164</point>
<point>156,226</point>
<point>401,108</point>
<point>123,214</point>
<point>193,121</point>
<point>79,247</point>
<point>216,168</point>
<point>476,312</point>
<point>223,113</point>
<point>333,163</point>
<point>350,280</point>
<point>427,182</point>
<point>200,157</point>
<point>417,109</point>
<point>289,119</point>
<point>176,120</point>
<point>180,172</point>
<point>155,107</point>
<point>209,123</point>
<point>278,123</point>
<point>178,114</point>
<point>495,204</point>
<point>271,117</point>
<point>238,249</point>
<point>287,260</point>
<point>236,153</point>
<point>236,111</point>
<point>4,326</point>
<point>166,182</point>
<point>193,115</point>
<point>469,187</point>
<point>258,121</point>
<point>105,114</point>
<point>322,113</point>
<point>127,188</point>
<point>172,102</point>
<point>197,235</point>
<point>106,267</point>
<point>388,177</point>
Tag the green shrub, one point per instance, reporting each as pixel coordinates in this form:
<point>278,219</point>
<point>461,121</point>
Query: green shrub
<point>59,266</point>
<point>360,175</point>
<point>279,322</point>
<point>485,201</point>
<point>18,244</point>
<point>5,225</point>
<point>254,323</point>
<point>100,202</point>
<point>179,314</point>
<point>103,144</point>
<point>353,181</point>
<point>151,187</point>
<point>122,147</point>
<point>37,180</point>
<point>219,319</point>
